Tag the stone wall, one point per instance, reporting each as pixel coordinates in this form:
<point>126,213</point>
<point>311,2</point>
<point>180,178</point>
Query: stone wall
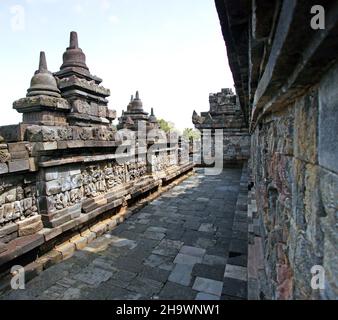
<point>223,123</point>
<point>286,74</point>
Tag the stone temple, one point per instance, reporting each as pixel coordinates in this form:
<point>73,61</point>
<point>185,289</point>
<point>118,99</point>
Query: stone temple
<point>225,116</point>
<point>77,197</point>
<point>60,170</point>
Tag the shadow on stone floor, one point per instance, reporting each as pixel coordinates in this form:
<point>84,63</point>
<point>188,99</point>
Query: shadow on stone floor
<point>190,243</point>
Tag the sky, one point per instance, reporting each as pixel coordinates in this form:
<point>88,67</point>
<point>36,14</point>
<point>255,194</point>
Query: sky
<point>171,51</point>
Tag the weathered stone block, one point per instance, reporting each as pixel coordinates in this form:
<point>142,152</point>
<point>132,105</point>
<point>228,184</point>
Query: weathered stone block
<point>18,165</point>
<point>328,121</point>
<point>79,241</point>
<point>51,258</point>
<point>8,229</point>
<point>33,166</point>
<point>51,233</point>
<point>99,229</point>
<point>328,223</point>
<point>13,133</point>
<point>51,174</point>
<point>89,235</point>
<point>3,168</point>
<point>305,130</point>
<point>53,187</point>
<point>30,226</point>
<point>17,147</point>
<point>19,155</point>
<point>66,249</point>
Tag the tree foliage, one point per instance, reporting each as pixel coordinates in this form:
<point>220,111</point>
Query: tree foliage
<point>191,134</point>
<point>166,126</point>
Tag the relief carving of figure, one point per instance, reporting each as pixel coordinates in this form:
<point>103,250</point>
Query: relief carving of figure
<point>4,156</point>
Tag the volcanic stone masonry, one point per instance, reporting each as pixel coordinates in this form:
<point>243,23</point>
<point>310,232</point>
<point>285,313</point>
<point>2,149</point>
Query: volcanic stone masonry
<point>225,115</point>
<point>60,168</point>
<point>286,76</point>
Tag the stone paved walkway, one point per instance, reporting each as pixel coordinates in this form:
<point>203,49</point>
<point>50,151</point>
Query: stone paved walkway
<point>190,243</point>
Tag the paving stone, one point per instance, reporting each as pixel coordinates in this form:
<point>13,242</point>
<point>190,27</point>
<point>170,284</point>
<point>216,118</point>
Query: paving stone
<point>206,296</point>
<point>214,260</point>
<point>208,286</point>
<point>161,262</point>
<point>168,247</point>
<point>144,215</point>
<point>187,259</point>
<point>106,291</point>
<point>193,225</point>
<point>144,221</point>
<point>217,251</point>
<point>147,244</point>
<point>124,275</point>
<point>66,282</point>
<point>240,226</point>
<point>181,274</point>
<point>235,272</point>
<point>138,254</point>
<point>237,259</point>
<point>235,288</point>
<point>240,246</point>
<point>156,229</point>
<point>174,291</point>
<point>207,227</point>
<point>230,298</point>
<point>189,237</point>
<point>137,228</point>
<point>72,294</point>
<point>174,234</point>
<point>193,251</point>
<point>129,264</point>
<point>144,286</point>
<point>215,272</point>
<point>204,243</point>
<point>93,276</point>
<point>104,263</point>
<point>123,242</point>
<point>153,235</point>
<point>203,199</point>
<point>157,274</point>
<point>130,235</point>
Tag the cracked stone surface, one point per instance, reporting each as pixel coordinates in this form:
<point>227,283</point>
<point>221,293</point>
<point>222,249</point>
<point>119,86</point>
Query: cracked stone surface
<point>180,246</point>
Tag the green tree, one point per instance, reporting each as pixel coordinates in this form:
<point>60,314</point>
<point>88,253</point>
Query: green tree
<point>166,126</point>
<point>191,134</point>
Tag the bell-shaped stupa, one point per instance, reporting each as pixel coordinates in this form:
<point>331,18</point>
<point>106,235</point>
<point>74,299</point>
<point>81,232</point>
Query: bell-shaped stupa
<point>43,81</point>
<point>89,103</point>
<point>43,104</point>
<point>74,56</point>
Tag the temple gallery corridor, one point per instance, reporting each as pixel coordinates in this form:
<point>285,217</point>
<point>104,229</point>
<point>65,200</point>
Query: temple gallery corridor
<point>190,243</point>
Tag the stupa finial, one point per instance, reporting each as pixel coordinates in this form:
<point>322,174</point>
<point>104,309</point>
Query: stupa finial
<point>42,62</point>
<point>73,42</point>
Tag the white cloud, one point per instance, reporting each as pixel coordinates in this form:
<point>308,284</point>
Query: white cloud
<point>18,18</point>
<point>113,19</point>
<point>78,8</point>
<point>105,4</point>
<point>43,1</point>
